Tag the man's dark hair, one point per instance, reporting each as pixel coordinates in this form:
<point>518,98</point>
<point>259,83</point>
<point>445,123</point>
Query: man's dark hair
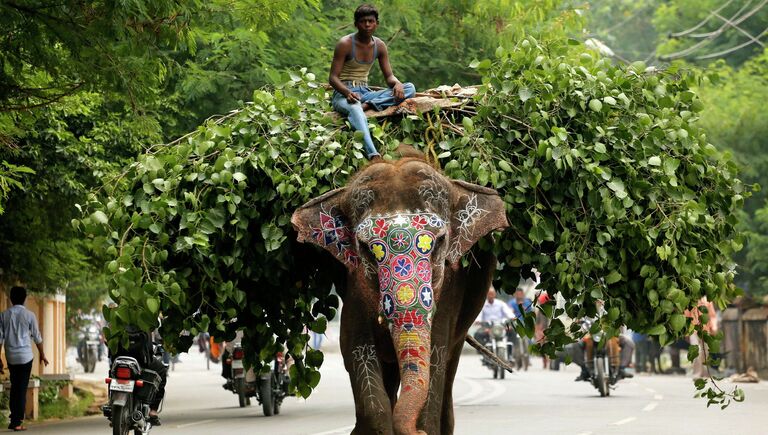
<point>365,10</point>
<point>18,295</point>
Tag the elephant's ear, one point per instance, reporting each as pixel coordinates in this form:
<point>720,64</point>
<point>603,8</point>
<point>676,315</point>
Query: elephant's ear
<point>475,212</point>
<point>322,222</point>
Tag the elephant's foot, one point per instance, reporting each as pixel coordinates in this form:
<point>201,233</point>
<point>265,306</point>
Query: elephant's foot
<point>407,427</point>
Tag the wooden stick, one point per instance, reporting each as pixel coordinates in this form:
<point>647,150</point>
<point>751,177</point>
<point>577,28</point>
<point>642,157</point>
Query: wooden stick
<point>485,351</point>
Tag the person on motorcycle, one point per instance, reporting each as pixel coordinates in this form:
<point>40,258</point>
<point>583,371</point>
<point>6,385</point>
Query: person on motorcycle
<point>519,300</point>
<point>619,348</point>
<point>142,349</point>
<point>493,310</point>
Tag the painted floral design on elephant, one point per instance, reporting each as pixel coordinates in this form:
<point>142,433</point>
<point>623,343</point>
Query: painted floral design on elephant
<point>334,235</point>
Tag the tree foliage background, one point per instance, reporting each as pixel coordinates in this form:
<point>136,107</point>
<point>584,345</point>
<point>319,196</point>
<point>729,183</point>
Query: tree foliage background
<point>87,87</point>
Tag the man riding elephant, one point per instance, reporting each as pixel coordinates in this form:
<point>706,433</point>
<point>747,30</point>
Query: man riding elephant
<point>401,228</point>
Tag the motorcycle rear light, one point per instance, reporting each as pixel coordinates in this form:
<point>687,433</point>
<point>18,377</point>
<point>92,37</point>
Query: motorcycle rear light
<point>139,383</point>
<point>279,357</point>
<point>108,380</point>
<point>123,373</point>
<point>238,354</point>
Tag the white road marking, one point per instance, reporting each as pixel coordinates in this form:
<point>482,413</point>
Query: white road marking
<point>650,390</point>
<point>651,406</point>
<point>625,421</point>
<point>658,397</point>
<point>194,423</point>
<point>498,390</point>
<point>585,433</point>
<point>474,389</point>
<point>340,430</point>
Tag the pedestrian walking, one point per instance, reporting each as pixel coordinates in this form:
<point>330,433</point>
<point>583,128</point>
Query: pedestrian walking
<point>17,326</point>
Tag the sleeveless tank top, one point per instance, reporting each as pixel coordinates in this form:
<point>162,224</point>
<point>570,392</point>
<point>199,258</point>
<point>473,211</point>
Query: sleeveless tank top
<point>355,70</point>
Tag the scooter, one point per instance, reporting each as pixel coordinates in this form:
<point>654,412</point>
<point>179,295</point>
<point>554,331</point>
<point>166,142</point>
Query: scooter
<point>269,389</point>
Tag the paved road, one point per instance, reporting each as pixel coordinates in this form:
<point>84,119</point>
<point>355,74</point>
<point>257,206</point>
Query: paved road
<point>536,401</point>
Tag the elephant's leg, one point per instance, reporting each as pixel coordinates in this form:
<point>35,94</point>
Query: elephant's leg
<point>362,359</point>
<point>429,420</point>
<point>446,417</point>
<point>373,409</point>
<point>391,374</point>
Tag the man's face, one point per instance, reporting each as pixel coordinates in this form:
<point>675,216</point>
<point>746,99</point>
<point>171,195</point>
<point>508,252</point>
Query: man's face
<point>491,296</point>
<point>519,296</point>
<point>367,25</point>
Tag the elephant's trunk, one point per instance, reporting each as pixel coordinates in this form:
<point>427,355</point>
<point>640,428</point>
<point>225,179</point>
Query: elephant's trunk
<point>412,344</point>
<point>403,250</point>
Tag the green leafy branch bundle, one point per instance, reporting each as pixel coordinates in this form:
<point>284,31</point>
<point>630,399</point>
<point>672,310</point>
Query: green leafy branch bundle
<point>612,192</point>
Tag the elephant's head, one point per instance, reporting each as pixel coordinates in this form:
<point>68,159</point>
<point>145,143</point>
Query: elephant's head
<point>395,226</point>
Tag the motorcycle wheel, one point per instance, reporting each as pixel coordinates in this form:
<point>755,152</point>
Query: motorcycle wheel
<point>501,352</point>
<point>91,362</point>
<point>267,396</point>
<point>121,419</point>
<point>601,380</point>
<point>239,385</point>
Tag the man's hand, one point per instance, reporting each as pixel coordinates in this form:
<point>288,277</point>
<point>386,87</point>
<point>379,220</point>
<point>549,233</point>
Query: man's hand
<point>1,370</point>
<point>353,97</point>
<point>44,360</point>
<point>398,91</point>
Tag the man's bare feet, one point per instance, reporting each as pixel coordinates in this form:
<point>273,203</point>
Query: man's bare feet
<point>377,159</point>
<point>366,106</point>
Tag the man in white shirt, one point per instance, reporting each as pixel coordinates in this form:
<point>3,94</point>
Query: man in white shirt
<point>494,310</point>
<point>17,325</point>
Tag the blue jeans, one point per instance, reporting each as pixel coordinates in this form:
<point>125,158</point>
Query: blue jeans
<point>380,100</point>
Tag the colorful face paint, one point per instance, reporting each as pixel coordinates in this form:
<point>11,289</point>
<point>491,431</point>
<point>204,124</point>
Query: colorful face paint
<point>402,246</point>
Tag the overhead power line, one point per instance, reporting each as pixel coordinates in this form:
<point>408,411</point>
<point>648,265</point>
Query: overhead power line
<point>703,22</point>
<point>731,50</point>
<point>734,21</point>
<point>749,35</point>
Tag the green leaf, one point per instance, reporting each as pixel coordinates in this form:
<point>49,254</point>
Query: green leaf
<point>654,161</point>
<point>677,321</point>
<point>656,330</point>
<point>613,277</point>
<point>100,217</point>
<point>153,305</point>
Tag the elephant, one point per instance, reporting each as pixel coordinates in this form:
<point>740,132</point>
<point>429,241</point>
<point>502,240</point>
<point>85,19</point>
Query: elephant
<point>400,228</point>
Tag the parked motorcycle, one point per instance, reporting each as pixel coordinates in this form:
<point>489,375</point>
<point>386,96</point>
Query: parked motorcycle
<point>496,341</point>
<point>88,348</point>
<point>132,388</point>
<point>269,389</point>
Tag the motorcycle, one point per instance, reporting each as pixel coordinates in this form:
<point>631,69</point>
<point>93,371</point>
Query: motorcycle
<point>519,346</point>
<point>132,388</point>
<point>496,342</point>
<point>88,348</point>
<point>603,374</point>
<point>269,389</point>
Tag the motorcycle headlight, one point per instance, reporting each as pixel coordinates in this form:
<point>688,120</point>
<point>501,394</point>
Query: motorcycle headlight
<point>597,337</point>
<point>498,331</point>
